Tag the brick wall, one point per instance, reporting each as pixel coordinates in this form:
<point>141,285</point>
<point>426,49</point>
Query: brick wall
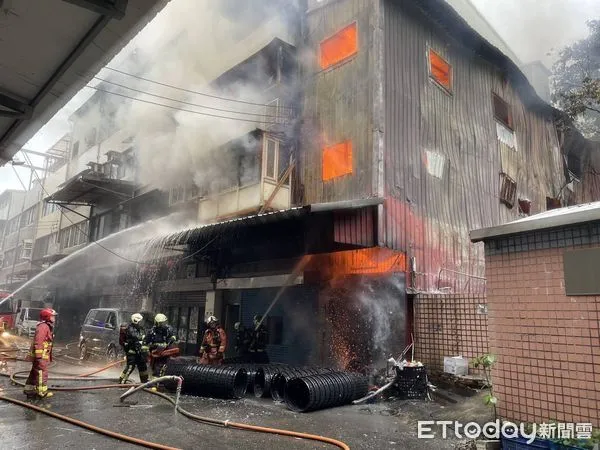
<point>449,325</point>
<point>548,344</point>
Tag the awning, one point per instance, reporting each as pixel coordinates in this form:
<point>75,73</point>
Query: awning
<point>206,232</point>
<point>88,188</point>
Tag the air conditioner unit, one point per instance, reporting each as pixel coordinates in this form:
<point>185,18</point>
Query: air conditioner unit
<point>27,244</point>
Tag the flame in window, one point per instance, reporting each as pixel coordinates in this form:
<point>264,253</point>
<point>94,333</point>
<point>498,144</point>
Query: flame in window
<point>340,46</point>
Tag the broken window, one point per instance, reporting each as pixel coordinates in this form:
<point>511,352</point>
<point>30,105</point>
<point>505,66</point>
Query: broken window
<point>502,112</point>
<point>339,47</point>
<point>508,190</point>
<point>90,138</point>
<point>440,70</point>
<point>337,160</point>
<point>524,206</point>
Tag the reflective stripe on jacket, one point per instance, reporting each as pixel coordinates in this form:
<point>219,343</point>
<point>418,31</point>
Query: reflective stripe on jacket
<point>41,347</point>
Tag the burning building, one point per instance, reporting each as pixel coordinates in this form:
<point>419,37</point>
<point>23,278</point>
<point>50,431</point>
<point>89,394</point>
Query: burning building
<point>362,141</point>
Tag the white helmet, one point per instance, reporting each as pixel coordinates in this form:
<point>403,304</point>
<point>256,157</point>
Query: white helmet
<point>136,318</point>
<point>160,318</point>
<point>211,319</point>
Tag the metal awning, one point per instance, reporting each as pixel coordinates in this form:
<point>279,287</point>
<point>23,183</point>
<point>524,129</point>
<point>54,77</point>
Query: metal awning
<point>555,218</point>
<point>52,48</point>
<point>90,188</point>
<point>208,231</point>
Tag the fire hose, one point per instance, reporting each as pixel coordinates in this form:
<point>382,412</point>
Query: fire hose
<point>136,388</point>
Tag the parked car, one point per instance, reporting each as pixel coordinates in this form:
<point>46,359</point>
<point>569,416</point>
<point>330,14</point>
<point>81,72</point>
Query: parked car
<point>27,320</point>
<point>100,332</point>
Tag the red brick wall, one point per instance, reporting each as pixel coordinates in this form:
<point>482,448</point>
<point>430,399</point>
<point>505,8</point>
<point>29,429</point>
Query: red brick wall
<point>548,345</point>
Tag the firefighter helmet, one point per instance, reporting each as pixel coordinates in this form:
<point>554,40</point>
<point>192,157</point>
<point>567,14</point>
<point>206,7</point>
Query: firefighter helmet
<point>47,314</point>
<point>211,320</point>
<point>160,319</point>
<point>136,318</point>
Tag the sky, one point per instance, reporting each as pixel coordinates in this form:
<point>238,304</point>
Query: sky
<point>533,32</point>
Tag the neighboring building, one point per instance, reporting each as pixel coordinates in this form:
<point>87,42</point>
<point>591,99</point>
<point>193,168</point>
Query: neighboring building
<point>539,77</point>
<point>543,294</point>
<point>11,203</point>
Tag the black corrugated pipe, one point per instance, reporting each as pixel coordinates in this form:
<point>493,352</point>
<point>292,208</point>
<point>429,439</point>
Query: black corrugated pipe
<point>262,379</point>
<point>211,381</point>
<point>280,379</point>
<point>324,391</point>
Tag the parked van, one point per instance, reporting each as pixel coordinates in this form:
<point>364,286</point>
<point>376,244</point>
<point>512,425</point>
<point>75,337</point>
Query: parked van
<point>27,320</point>
<point>100,332</point>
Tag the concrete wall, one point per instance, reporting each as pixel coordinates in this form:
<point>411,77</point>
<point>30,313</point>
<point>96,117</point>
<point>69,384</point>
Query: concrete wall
<point>547,343</point>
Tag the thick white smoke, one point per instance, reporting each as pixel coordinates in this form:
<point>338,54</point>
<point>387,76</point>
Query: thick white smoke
<point>188,45</point>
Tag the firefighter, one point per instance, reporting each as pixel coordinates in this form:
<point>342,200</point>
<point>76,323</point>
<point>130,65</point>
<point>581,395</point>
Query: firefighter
<point>214,343</point>
<point>242,342</point>
<point>135,351</point>
<point>41,352</point>
<point>258,342</point>
<point>160,338</point>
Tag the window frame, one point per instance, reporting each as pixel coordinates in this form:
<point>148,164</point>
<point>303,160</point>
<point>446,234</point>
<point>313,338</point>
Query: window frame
<point>447,90</point>
<point>510,124</point>
<point>348,57</point>
<point>265,164</point>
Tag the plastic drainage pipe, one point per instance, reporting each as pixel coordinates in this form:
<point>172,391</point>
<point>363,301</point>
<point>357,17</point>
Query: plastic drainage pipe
<point>135,389</point>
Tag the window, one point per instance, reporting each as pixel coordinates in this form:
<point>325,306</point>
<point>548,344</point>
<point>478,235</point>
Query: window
<point>75,150</point>
<point>502,112</point>
<point>508,190</point>
<point>440,71</point>
<point>90,138</point>
<point>49,208</point>
<point>111,322</point>
<point>89,320</point>
<point>271,158</point>
<point>339,47</point>
<point>337,160</point>
<point>100,318</point>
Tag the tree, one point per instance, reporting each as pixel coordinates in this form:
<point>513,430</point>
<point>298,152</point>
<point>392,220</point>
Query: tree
<point>576,81</point>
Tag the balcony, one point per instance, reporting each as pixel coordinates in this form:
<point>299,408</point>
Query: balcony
<point>269,187</point>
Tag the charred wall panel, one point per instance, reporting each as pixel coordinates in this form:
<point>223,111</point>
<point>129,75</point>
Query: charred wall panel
<point>338,103</point>
<point>443,158</point>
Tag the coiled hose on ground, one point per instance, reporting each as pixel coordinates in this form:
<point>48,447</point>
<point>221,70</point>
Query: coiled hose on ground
<point>153,445</point>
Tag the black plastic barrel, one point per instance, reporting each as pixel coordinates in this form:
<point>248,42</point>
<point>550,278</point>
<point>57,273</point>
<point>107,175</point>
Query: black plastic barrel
<point>324,390</point>
<point>280,379</point>
<point>211,381</point>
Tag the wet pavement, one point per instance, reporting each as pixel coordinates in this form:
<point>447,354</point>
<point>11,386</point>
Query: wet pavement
<point>373,426</point>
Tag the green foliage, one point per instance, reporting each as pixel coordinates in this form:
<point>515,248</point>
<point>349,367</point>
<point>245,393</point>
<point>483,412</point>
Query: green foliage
<point>576,80</point>
<point>486,362</point>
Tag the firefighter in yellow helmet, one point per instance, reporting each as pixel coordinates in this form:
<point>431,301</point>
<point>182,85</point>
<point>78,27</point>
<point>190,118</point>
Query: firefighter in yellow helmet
<point>131,338</point>
<point>162,343</point>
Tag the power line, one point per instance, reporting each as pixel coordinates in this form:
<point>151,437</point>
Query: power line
<point>176,108</point>
<point>204,94</point>
<point>88,234</point>
<point>186,103</point>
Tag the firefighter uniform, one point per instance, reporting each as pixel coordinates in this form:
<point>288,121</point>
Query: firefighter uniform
<point>161,337</point>
<point>242,342</point>
<point>258,343</point>
<point>214,343</point>
<point>135,352</point>
<point>41,354</point>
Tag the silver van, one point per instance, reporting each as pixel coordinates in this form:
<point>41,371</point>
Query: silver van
<point>27,320</point>
<point>99,334</point>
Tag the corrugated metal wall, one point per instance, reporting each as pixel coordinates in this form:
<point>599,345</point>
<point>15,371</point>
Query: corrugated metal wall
<point>337,104</point>
<point>430,216</point>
